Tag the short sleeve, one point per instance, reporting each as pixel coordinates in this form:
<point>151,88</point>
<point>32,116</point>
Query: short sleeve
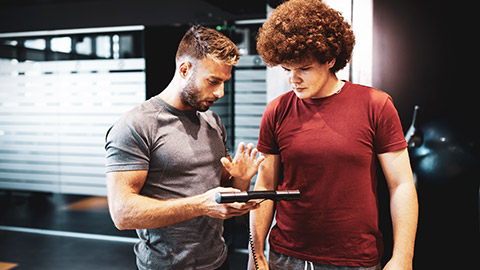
<point>127,148</point>
<point>267,142</point>
<point>389,134</point>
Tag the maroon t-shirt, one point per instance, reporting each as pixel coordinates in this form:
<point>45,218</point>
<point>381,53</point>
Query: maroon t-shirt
<point>328,148</point>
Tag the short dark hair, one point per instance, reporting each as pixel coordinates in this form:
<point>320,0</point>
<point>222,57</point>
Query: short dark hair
<point>200,42</point>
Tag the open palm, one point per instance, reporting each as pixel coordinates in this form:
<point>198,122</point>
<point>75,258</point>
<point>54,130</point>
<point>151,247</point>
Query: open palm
<point>245,163</point>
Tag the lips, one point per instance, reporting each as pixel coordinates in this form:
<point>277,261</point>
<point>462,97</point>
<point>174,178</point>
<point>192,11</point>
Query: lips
<point>209,103</point>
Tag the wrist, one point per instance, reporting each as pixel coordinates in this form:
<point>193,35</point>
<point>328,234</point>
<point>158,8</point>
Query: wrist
<point>241,184</point>
<point>404,259</point>
<point>199,204</point>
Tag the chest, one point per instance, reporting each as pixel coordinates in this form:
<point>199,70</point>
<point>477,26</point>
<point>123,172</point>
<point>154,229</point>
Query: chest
<point>187,144</point>
<point>330,132</point>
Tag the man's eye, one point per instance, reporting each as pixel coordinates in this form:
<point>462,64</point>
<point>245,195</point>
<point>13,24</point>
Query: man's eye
<point>212,82</point>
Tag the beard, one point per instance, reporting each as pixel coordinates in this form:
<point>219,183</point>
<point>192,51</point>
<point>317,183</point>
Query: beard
<point>191,96</point>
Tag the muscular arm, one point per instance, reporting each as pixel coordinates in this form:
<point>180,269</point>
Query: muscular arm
<point>130,210</point>
<point>261,218</point>
<point>403,206</point>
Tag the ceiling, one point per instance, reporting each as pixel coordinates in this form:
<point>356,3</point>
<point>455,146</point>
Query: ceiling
<point>31,15</point>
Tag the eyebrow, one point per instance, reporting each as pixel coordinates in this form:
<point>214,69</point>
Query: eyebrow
<point>298,67</point>
<point>220,79</point>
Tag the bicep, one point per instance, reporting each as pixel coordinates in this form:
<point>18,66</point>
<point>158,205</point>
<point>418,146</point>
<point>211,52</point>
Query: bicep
<point>268,173</point>
<point>396,167</point>
<point>125,182</point>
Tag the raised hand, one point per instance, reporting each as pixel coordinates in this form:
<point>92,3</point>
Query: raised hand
<point>245,163</point>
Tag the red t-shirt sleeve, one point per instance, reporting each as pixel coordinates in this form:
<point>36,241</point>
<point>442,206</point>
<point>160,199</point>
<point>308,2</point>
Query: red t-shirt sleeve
<point>388,134</point>
<point>267,142</point>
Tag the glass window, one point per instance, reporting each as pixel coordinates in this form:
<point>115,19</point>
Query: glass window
<point>104,47</point>
<point>84,46</point>
<point>38,44</point>
<point>61,44</point>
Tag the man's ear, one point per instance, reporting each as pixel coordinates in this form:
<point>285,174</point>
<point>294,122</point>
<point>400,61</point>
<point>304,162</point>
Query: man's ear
<point>184,68</point>
<point>331,63</point>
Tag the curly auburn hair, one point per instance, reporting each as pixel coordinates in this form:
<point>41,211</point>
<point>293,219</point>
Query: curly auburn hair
<point>300,29</point>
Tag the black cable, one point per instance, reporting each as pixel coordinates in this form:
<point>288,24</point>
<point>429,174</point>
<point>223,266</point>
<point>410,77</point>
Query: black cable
<point>250,240</point>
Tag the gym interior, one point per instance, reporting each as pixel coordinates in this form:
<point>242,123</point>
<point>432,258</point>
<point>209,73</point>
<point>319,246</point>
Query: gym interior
<point>70,68</point>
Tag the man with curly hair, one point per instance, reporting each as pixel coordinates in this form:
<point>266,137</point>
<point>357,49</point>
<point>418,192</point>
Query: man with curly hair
<point>324,138</point>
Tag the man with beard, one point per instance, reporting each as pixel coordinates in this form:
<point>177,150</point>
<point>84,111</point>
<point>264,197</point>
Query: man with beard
<point>165,157</point>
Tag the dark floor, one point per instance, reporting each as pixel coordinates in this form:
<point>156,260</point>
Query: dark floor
<point>63,228</point>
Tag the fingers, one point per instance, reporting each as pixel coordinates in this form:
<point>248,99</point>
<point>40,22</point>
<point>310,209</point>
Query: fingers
<point>239,209</point>
<point>224,189</point>
<point>226,163</point>
<point>248,150</point>
<point>240,148</point>
<point>259,160</point>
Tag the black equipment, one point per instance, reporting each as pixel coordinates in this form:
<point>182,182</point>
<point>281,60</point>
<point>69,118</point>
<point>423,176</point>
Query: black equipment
<point>245,196</point>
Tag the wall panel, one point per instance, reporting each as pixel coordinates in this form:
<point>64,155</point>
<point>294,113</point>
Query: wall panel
<point>53,120</point>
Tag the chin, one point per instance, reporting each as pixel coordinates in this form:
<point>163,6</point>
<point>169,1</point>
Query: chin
<point>302,95</point>
<point>202,109</point>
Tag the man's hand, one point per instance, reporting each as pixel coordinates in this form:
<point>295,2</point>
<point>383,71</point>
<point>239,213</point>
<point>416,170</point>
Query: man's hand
<point>224,210</point>
<point>397,264</point>
<point>245,164</point>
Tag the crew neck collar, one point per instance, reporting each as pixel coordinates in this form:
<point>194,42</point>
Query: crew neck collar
<point>173,109</point>
<point>341,92</point>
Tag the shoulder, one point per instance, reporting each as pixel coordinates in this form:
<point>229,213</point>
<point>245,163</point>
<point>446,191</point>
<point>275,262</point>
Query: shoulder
<point>281,102</point>
<point>371,96</point>
<point>148,109</point>
<point>138,120</point>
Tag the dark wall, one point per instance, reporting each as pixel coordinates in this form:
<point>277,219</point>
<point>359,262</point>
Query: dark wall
<point>424,55</point>
<point>161,43</point>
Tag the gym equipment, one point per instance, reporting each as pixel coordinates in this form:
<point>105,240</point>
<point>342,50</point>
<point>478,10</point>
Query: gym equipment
<point>443,155</point>
<point>245,196</point>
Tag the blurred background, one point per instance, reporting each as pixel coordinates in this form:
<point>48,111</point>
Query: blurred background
<point>70,68</point>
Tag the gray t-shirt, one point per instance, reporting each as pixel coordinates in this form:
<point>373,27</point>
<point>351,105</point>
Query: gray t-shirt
<point>181,151</point>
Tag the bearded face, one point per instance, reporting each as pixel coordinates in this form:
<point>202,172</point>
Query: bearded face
<point>192,96</point>
<point>204,84</point>
<point>201,98</point>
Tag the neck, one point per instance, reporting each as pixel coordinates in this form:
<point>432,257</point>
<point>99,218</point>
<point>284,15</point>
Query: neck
<point>332,86</point>
<point>172,96</point>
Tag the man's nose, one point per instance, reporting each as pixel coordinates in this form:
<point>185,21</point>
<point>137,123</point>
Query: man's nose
<point>294,77</point>
<point>218,93</point>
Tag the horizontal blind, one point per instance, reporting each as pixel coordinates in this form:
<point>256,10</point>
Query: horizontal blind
<point>250,98</point>
<point>53,120</point>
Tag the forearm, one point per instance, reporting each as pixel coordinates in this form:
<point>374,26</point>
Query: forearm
<point>261,219</point>
<point>404,210</point>
<point>134,211</point>
<point>260,222</point>
<point>403,206</point>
